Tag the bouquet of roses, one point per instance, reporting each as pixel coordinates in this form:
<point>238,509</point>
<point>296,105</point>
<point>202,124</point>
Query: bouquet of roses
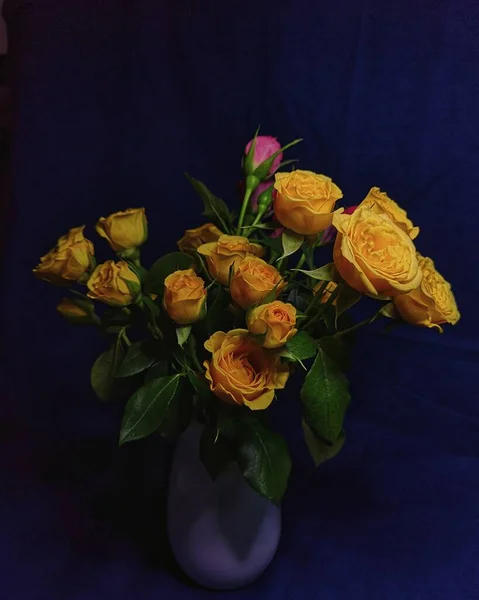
<point>212,333</point>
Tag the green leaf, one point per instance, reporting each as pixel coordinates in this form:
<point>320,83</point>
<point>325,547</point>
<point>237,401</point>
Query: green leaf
<point>346,298</point>
<point>179,414</point>
<point>389,311</point>
<point>215,209</point>
<point>148,408</point>
<point>215,451</point>
<point>138,357</point>
<point>291,242</point>
<point>164,266</point>
<point>336,349</point>
<point>217,318</point>
<point>201,387</point>
<point>321,451</point>
<point>302,346</point>
<point>263,458</point>
<point>325,397</point>
<point>159,369</point>
<point>326,273</point>
<point>105,368</point>
<point>182,334</point>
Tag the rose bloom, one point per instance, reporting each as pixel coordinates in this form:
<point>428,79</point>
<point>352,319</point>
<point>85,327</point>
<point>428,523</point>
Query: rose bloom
<point>69,261</point>
<point>229,249</point>
<point>114,283</point>
<point>276,321</point>
<point>328,290</point>
<point>194,238</point>
<point>253,280</point>
<point>380,203</point>
<point>265,147</point>
<point>432,304</point>
<point>241,372</point>
<point>304,201</point>
<point>74,312</point>
<point>184,297</point>
<point>373,255</point>
<point>125,229</point>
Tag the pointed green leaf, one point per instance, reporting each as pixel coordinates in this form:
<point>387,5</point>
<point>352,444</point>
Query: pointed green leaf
<point>138,357</point>
<point>326,273</point>
<point>148,408</point>
<point>302,346</point>
<point>201,387</point>
<point>105,368</point>
<point>337,349</point>
<point>157,370</point>
<point>325,397</point>
<point>182,334</point>
<point>215,208</point>
<point>164,266</point>
<point>291,242</point>
<point>321,451</point>
<point>263,458</point>
<point>389,311</point>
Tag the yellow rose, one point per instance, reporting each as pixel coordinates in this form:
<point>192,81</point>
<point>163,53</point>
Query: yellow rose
<point>432,303</point>
<point>328,290</point>
<point>304,201</point>
<point>275,320</point>
<point>184,297</point>
<point>241,372</point>
<point>373,255</point>
<point>69,261</point>
<point>194,238</point>
<point>125,229</point>
<point>76,311</point>
<point>220,255</point>
<point>253,280</point>
<point>114,283</point>
<point>380,203</point>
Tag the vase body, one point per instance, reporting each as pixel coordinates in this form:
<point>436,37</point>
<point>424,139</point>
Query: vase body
<point>222,533</point>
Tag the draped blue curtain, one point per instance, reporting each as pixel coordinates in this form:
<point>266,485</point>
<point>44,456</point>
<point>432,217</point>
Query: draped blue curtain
<point>114,101</point>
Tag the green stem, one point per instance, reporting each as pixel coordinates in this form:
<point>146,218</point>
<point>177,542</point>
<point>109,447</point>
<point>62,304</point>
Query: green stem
<point>360,324</point>
<point>301,262</point>
<point>251,184</point>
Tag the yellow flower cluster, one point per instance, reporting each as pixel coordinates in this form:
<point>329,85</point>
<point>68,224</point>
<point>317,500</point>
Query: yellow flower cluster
<point>72,259</point>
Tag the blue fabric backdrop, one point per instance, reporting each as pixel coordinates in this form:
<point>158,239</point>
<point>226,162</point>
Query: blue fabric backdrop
<point>114,101</point>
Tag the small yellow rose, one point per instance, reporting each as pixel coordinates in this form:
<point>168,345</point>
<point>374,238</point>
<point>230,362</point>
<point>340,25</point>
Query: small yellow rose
<point>241,372</point>
<point>194,238</point>
<point>432,303</point>
<point>76,311</point>
<point>229,249</point>
<point>304,201</point>
<point>114,283</point>
<point>327,292</point>
<point>380,203</point>
<point>373,255</point>
<point>253,280</point>
<point>184,297</point>
<point>125,229</point>
<point>69,261</point>
<point>275,320</point>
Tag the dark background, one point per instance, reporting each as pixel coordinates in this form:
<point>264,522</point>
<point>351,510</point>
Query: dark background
<point>113,101</point>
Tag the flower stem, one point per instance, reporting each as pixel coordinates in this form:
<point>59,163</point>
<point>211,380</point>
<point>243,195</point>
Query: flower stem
<point>251,184</point>
<point>359,325</point>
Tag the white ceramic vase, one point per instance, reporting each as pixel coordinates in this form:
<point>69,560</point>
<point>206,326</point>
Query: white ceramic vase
<point>223,534</point>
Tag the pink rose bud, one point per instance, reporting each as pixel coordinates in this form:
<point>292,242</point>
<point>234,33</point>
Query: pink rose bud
<point>266,146</point>
<point>278,232</point>
<point>350,210</point>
